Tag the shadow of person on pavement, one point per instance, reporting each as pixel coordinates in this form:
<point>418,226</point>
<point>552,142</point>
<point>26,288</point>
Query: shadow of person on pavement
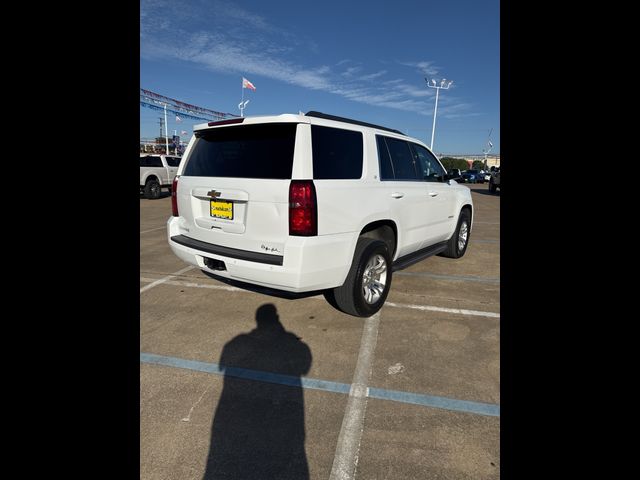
<point>258,429</point>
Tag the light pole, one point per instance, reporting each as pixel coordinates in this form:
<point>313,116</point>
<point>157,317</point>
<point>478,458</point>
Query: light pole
<point>435,109</point>
<point>166,130</point>
<point>486,151</point>
<point>242,105</point>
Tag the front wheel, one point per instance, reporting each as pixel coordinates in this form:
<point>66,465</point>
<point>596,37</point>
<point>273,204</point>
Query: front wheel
<point>368,282</point>
<point>457,244</point>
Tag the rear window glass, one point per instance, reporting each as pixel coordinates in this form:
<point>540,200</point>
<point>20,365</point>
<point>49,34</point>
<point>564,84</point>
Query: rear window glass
<point>402,158</point>
<point>173,161</point>
<point>337,153</point>
<point>150,161</point>
<point>248,151</point>
<point>386,167</point>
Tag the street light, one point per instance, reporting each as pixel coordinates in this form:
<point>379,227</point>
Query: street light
<point>242,105</point>
<point>435,110</point>
<point>166,129</point>
<point>486,151</point>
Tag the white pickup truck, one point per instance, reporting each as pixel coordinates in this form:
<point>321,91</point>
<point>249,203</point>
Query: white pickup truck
<point>157,172</point>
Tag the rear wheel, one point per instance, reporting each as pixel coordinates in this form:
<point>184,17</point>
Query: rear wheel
<point>152,189</point>
<point>367,285</point>
<point>457,244</point>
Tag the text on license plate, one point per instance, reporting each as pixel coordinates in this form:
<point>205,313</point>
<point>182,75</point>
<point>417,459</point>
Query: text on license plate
<point>221,209</point>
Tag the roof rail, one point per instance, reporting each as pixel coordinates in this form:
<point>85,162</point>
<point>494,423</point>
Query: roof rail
<point>348,120</point>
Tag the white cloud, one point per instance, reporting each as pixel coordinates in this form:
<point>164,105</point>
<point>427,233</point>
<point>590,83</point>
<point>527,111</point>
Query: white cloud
<point>349,72</point>
<point>261,51</point>
<point>373,76</point>
<point>424,67</point>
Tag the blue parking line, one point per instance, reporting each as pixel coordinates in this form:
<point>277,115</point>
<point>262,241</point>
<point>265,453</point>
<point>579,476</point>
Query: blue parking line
<point>324,385</point>
<point>436,402</point>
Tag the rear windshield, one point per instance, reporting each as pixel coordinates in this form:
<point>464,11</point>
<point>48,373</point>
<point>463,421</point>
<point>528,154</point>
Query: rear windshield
<point>248,151</point>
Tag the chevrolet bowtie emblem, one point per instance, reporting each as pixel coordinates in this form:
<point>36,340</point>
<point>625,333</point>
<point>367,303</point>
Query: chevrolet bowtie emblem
<point>213,194</point>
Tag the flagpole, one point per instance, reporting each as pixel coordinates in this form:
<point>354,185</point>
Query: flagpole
<point>242,101</point>
<point>166,130</point>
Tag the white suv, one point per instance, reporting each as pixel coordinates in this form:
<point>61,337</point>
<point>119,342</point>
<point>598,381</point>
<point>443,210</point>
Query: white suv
<point>311,203</point>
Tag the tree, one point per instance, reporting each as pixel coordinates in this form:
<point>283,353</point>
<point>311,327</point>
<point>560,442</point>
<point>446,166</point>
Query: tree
<point>450,162</point>
<point>478,165</point>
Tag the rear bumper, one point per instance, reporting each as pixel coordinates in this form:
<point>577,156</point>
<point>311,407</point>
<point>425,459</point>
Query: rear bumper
<point>307,264</point>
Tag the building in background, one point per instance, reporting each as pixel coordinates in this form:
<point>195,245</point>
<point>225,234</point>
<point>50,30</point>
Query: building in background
<point>492,160</point>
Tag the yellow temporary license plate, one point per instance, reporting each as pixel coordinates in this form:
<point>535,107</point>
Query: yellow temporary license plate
<point>220,209</point>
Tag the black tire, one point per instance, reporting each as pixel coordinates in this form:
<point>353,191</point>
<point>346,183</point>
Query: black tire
<point>453,249</point>
<point>492,187</point>
<point>349,298</point>
<point>152,189</point>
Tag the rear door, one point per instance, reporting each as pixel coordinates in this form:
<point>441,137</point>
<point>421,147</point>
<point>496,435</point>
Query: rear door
<point>234,186</point>
<point>406,191</point>
<point>440,197</point>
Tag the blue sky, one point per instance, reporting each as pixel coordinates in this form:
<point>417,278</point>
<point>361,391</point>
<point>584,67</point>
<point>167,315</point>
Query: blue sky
<point>359,59</point>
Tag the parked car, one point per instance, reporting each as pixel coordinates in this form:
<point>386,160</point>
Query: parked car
<point>157,172</point>
<point>472,176</point>
<point>455,174</point>
<point>314,203</point>
<point>494,181</point>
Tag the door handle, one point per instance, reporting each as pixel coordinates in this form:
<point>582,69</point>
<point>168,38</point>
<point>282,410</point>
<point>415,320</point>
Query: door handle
<point>433,194</point>
<point>397,195</point>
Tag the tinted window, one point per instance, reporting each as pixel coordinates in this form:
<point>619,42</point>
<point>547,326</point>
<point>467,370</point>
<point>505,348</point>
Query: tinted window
<point>173,161</point>
<point>386,168</point>
<point>248,151</point>
<point>337,153</point>
<point>151,161</point>
<point>430,168</point>
<point>402,158</point>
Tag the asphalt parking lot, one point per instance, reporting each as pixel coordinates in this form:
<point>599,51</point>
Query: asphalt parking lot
<point>237,384</point>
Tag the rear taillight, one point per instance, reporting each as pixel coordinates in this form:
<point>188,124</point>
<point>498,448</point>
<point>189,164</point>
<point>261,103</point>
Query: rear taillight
<point>303,213</point>
<point>174,197</point>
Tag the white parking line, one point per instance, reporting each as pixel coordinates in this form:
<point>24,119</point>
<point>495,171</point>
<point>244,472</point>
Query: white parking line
<point>182,283</point>
<point>460,311</point>
<point>165,279</point>
<point>443,309</point>
<point>345,460</point>
<point>153,229</point>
